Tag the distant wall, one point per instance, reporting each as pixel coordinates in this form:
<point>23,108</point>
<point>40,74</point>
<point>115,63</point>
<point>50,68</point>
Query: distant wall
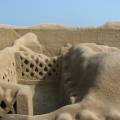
<point>53,39</point>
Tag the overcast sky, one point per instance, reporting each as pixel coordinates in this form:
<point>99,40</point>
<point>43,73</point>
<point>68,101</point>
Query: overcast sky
<point>68,12</point>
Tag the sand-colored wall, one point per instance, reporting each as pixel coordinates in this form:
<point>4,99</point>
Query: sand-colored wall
<point>54,38</point>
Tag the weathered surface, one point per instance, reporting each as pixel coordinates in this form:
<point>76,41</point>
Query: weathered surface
<point>85,76</point>
<point>52,38</point>
<point>24,63</point>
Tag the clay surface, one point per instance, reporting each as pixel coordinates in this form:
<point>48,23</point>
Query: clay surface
<point>67,82</point>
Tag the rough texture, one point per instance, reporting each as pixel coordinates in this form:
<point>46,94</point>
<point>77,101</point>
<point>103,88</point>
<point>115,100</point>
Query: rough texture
<point>52,37</point>
<point>24,63</point>
<point>83,78</point>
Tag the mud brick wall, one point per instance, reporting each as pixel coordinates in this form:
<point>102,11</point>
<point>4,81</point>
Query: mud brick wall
<point>53,39</point>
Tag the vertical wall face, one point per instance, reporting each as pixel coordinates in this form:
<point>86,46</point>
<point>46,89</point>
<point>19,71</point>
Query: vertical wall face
<point>7,37</point>
<point>42,74</point>
<point>46,98</point>
<point>54,39</point>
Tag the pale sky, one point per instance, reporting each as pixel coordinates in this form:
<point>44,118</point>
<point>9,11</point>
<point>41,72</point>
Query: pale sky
<point>67,12</point>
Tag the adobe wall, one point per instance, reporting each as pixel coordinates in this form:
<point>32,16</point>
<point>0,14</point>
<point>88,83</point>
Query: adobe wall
<point>53,39</point>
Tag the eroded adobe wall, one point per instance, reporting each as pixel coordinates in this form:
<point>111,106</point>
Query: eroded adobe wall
<point>7,37</point>
<point>54,39</point>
